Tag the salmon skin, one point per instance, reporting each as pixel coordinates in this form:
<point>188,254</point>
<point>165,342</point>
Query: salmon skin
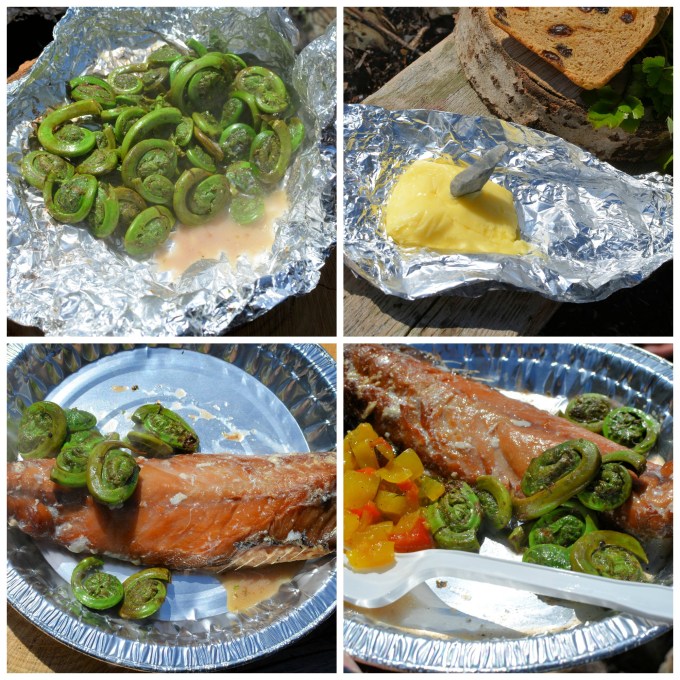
<point>462,428</point>
<point>198,511</point>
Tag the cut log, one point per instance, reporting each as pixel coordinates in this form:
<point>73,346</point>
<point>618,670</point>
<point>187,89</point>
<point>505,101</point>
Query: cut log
<point>518,86</point>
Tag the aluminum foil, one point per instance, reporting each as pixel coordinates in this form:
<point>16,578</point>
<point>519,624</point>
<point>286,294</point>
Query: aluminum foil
<point>594,229</point>
<point>288,391</point>
<point>65,281</point>
<point>463,626</point>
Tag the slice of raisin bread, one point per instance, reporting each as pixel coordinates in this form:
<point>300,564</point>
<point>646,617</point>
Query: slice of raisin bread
<point>590,45</point>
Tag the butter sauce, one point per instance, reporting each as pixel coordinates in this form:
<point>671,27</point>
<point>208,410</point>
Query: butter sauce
<point>248,587</point>
<point>221,236</point>
<point>421,212</point>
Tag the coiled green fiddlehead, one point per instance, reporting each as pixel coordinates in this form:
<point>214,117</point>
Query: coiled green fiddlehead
<point>609,553</point>
<point>112,473</point>
<point>148,230</point>
<point>168,426</point>
<point>130,204</point>
<point>92,88</point>
<point>185,89</point>
<point>94,588</point>
<point>613,484</point>
<point>104,216</point>
<point>74,198</point>
<point>268,89</point>
<point>235,142</point>
<point>562,526</point>
<point>455,518</point>
<point>555,476</point>
<point>78,420</point>
<point>588,410</point>
<point>42,430</point>
<point>632,428</point>
<point>270,153</point>
<point>549,555</point>
<point>495,500</point>
<point>145,592</point>
<point>70,468</point>
<point>70,147</point>
<point>199,196</point>
<point>149,168</point>
<point>36,165</point>
<point>147,444</point>
<point>143,126</point>
<point>247,203</point>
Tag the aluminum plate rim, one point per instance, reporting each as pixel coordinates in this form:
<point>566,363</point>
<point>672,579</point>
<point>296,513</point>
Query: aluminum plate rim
<point>549,648</point>
<point>59,625</point>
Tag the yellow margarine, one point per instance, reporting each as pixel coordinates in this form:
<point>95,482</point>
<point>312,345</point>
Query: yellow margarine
<point>421,212</point>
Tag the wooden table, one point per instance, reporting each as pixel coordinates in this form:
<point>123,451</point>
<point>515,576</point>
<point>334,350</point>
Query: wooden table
<point>436,81</point>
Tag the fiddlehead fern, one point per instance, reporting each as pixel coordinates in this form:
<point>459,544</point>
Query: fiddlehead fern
<point>94,588</point>
<point>495,500</point>
<point>199,196</point>
<point>632,428</point>
<point>145,592</point>
<point>36,165</point>
<point>148,230</point>
<point>455,518</point>
<point>555,476</point>
<point>588,410</point>
<point>168,426</point>
<point>609,553</point>
<point>74,198</point>
<point>112,473</point>
<point>104,216</point>
<point>69,147</point>
<point>42,430</point>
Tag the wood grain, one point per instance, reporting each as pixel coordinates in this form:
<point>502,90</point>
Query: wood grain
<point>436,81</point>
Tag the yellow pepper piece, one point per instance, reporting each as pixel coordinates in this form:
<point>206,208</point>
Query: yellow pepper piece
<point>407,522</point>
<point>431,488</point>
<point>350,525</point>
<point>360,488</point>
<point>348,457</point>
<point>392,505</point>
<point>367,556</point>
<point>364,454</point>
<point>363,432</point>
<point>409,460</point>
<point>392,473</point>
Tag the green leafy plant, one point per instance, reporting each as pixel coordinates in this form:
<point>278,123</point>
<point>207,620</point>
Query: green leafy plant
<point>647,95</point>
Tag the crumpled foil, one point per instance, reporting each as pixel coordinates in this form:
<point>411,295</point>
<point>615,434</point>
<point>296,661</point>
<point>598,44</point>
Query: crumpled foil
<point>65,281</point>
<point>594,229</point>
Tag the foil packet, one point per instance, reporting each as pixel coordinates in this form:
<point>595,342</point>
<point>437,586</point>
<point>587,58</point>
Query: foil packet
<point>65,281</point>
<point>593,229</point>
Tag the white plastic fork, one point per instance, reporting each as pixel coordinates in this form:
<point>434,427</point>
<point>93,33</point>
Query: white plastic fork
<point>373,589</point>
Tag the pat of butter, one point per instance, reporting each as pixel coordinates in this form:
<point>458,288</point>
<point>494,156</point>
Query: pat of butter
<point>421,212</point>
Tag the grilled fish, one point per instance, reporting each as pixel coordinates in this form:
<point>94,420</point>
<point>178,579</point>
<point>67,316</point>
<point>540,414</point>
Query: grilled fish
<point>462,428</point>
<point>199,511</point>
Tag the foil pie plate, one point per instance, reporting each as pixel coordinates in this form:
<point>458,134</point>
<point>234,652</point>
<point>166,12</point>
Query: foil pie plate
<point>240,398</point>
<point>463,626</point>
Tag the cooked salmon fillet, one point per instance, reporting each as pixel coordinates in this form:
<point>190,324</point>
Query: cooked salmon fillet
<point>462,428</point>
<point>199,511</point>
